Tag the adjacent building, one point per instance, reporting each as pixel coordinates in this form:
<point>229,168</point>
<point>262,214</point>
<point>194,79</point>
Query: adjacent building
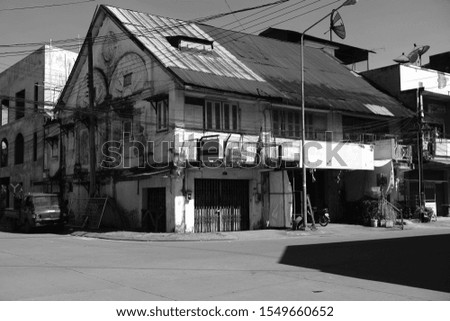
<point>426,92</point>
<point>28,92</point>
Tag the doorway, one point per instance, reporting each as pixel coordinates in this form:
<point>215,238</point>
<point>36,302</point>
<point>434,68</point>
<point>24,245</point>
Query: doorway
<point>221,205</point>
<point>154,218</point>
<point>4,192</point>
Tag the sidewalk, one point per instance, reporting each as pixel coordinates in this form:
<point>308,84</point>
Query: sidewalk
<point>443,224</point>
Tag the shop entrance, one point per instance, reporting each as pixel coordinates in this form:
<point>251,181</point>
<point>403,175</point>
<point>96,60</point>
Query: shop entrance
<point>221,205</point>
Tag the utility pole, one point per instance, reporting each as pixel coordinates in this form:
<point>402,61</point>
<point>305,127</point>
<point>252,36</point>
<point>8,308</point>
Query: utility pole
<point>92,149</point>
<point>420,116</point>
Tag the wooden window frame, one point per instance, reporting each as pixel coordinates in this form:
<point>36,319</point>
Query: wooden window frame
<point>20,104</point>
<point>162,115</point>
<point>222,116</point>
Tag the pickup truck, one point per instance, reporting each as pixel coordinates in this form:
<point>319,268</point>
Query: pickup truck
<point>35,210</point>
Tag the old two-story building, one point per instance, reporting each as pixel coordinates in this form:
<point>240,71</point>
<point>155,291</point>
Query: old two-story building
<point>29,90</point>
<point>199,128</point>
<point>426,91</point>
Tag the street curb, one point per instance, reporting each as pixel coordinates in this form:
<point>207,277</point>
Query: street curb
<point>253,235</point>
<point>155,237</point>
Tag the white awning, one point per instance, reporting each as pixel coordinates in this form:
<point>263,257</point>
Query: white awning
<point>381,162</point>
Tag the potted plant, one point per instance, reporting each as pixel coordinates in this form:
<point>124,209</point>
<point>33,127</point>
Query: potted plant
<point>370,212</point>
<point>375,214</point>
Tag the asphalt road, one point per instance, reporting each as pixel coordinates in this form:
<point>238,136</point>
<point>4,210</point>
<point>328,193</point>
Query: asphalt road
<point>411,265</point>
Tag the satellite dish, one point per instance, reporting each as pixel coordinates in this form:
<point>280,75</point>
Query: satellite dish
<point>423,49</point>
<point>413,56</point>
<point>402,59</point>
<point>337,25</point>
<point>417,53</point>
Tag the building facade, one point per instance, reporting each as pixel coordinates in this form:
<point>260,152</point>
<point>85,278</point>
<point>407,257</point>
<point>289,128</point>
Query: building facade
<point>29,91</point>
<point>426,92</point>
<point>198,129</point>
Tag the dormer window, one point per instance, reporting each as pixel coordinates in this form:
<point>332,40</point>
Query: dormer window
<point>191,43</point>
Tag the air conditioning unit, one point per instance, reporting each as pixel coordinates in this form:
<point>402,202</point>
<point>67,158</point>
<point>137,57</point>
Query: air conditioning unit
<point>210,149</point>
<point>233,154</point>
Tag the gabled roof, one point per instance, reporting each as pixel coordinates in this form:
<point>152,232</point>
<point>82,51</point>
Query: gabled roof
<point>252,65</point>
<point>196,67</point>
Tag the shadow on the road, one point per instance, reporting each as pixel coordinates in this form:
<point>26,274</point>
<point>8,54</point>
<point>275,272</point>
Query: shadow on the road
<point>422,261</point>
<point>38,230</point>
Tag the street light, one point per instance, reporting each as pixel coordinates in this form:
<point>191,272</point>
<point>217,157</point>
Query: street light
<point>302,44</point>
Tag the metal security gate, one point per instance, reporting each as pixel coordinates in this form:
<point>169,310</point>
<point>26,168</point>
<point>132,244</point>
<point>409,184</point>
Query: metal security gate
<point>221,205</point>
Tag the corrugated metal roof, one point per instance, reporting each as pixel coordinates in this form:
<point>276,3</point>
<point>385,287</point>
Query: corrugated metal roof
<point>259,66</point>
<point>153,30</point>
<point>219,69</point>
<point>328,83</point>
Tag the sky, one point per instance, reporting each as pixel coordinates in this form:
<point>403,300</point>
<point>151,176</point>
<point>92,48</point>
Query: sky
<point>388,27</point>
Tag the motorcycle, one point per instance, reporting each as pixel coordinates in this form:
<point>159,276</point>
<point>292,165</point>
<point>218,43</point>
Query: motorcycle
<point>426,214</point>
<point>322,216</point>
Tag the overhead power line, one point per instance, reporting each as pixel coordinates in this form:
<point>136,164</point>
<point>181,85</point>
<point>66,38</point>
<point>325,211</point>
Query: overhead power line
<point>47,5</point>
<point>242,34</point>
<point>73,43</point>
<point>180,24</point>
<point>261,11</point>
<point>219,36</point>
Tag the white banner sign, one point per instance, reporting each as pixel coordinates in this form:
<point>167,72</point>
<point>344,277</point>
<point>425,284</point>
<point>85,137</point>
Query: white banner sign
<point>412,77</point>
<point>331,155</point>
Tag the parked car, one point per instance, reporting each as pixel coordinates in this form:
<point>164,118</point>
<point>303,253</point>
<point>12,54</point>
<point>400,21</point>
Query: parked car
<point>35,210</point>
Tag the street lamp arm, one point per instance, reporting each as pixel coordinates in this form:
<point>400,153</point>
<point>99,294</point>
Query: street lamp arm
<point>346,3</point>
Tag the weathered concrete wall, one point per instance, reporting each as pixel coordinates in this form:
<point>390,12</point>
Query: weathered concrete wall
<point>114,59</point>
<point>30,172</point>
<point>23,76</point>
<point>131,196</point>
<point>30,74</point>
